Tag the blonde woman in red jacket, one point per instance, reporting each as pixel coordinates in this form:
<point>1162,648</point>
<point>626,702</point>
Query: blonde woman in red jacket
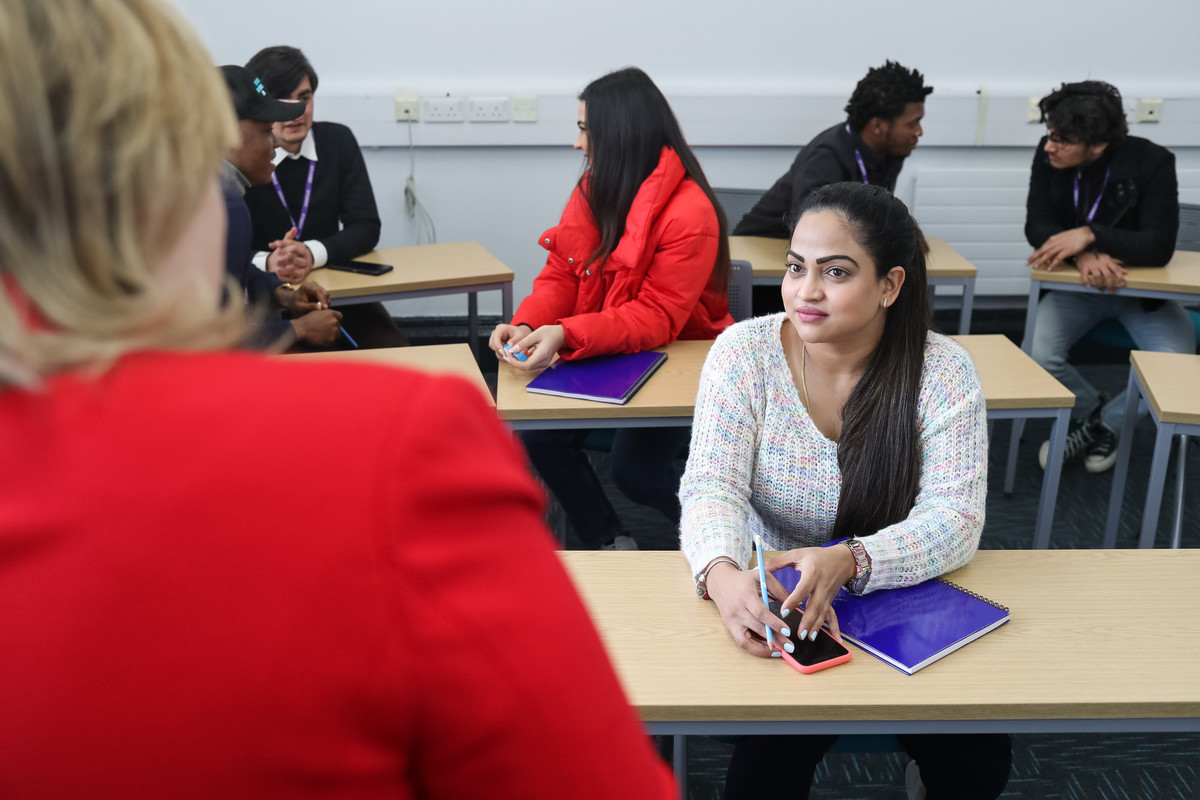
<point>638,260</point>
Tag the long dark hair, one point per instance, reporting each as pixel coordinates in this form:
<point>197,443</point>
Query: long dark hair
<point>628,123</point>
<point>879,452</point>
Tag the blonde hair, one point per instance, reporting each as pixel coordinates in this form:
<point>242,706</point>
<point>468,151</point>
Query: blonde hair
<point>113,121</point>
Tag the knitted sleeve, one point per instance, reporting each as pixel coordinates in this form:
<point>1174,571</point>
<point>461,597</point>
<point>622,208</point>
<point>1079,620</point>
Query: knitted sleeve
<point>942,531</point>
<point>715,490</point>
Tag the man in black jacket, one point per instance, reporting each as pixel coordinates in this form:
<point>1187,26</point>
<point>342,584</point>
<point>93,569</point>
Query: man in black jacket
<point>1104,199</point>
<point>319,207</point>
<point>883,124</point>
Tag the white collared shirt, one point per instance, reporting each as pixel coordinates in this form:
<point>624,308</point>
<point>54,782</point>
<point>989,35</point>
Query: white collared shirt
<point>308,149</point>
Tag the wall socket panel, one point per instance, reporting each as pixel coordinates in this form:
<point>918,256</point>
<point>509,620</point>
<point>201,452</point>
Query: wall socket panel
<point>443,109</point>
<point>1035,113</point>
<point>1149,109</point>
<point>524,109</point>
<point>408,104</point>
<point>488,109</point>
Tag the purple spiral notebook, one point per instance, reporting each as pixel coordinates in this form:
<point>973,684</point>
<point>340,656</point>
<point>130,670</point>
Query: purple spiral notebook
<point>607,379</point>
<point>913,626</point>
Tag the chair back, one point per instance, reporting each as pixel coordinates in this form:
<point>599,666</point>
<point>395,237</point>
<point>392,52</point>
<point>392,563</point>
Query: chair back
<point>741,290</point>
<point>736,202</point>
<point>1188,237</point>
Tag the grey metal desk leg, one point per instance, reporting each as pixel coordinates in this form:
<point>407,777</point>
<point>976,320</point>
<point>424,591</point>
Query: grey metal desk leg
<point>679,761</point>
<point>1124,447</point>
<point>473,321</point>
<point>1158,479</point>
<point>1010,470</point>
<point>1180,468</point>
<point>1054,460</point>
<point>1035,289</point>
<point>968,302</point>
<point>506,302</point>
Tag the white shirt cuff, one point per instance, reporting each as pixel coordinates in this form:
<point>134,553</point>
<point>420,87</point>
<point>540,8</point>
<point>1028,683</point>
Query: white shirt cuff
<point>260,260</point>
<point>319,253</point>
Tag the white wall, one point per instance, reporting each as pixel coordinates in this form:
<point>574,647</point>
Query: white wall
<point>750,82</point>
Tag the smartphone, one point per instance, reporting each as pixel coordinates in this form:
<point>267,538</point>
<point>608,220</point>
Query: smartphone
<point>362,267</point>
<point>811,656</point>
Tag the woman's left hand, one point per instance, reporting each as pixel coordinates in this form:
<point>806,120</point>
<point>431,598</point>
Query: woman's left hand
<point>823,570</point>
<point>539,347</point>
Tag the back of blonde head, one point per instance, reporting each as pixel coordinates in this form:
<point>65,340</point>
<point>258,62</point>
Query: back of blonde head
<point>112,123</point>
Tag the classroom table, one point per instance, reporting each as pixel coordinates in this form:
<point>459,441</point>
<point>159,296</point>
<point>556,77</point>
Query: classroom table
<point>455,359</point>
<point>1179,280</point>
<point>425,271</point>
<point>1076,655</point>
<point>945,266</point>
<point>668,398</point>
<point>1016,387</point>
<point>1170,383</point>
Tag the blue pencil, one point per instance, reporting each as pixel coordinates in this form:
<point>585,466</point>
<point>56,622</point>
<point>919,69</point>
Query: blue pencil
<point>762,583</point>
<point>349,338</point>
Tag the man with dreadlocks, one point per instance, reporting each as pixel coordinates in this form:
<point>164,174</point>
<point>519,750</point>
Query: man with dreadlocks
<point>882,126</point>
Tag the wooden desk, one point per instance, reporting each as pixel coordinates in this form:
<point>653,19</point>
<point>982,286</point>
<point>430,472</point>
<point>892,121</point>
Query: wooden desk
<point>946,267</point>
<point>1179,280</point>
<point>668,398</point>
<point>1170,382</point>
<point>425,271</point>
<point>1071,659</point>
<point>455,359</point>
<point>1015,387</point>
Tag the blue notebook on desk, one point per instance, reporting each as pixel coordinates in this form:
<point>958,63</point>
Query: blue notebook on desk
<point>607,379</point>
<point>913,626</point>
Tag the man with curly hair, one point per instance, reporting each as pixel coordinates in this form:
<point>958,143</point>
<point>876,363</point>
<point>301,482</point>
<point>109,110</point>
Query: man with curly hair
<point>1099,196</point>
<point>882,126</point>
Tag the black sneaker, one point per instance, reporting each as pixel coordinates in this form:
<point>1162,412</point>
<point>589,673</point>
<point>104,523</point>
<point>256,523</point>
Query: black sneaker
<point>1080,436</point>
<point>1102,453</point>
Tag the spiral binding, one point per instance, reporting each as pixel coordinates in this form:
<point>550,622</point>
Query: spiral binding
<point>977,596</point>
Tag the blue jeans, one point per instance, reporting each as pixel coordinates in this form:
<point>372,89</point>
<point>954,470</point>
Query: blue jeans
<point>643,467</point>
<point>1064,318</point>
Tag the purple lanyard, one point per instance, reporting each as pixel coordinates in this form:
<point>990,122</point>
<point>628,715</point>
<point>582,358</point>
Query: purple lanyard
<point>299,226</point>
<point>1091,214</point>
<point>858,157</point>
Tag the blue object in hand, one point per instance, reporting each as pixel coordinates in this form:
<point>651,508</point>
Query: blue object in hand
<point>517,356</point>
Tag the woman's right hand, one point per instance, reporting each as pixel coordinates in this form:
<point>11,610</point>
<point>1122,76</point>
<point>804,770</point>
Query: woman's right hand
<point>506,334</point>
<point>737,596</point>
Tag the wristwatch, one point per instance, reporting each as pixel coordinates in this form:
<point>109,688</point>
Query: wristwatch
<point>702,578</point>
<point>862,566</point>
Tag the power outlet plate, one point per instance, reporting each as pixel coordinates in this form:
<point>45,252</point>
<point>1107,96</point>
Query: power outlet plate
<point>408,104</point>
<point>524,109</point>
<point>1149,109</point>
<point>1034,114</point>
<point>488,109</point>
<point>443,109</point>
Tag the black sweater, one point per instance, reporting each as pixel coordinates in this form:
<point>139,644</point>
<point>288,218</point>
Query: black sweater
<point>341,198</point>
<point>828,158</point>
<point>1138,217</point>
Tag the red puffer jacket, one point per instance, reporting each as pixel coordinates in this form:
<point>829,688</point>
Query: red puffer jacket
<point>652,290</point>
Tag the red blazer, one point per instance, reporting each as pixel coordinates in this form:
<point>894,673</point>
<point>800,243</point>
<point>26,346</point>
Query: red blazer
<point>652,290</point>
<point>206,591</point>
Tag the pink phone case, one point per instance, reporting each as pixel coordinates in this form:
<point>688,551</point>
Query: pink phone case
<point>820,665</point>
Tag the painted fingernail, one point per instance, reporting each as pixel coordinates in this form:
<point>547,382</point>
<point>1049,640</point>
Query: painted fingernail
<point>803,635</point>
<point>786,631</point>
<point>786,611</point>
<point>776,654</point>
<point>791,648</point>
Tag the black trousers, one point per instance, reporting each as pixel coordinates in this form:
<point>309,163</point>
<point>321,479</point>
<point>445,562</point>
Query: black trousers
<point>953,766</point>
<point>643,467</point>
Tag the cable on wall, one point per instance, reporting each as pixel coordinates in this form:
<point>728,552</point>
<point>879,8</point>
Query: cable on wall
<point>412,205</point>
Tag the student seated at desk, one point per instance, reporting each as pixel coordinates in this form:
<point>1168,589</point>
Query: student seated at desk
<point>639,259</point>
<point>171,625</point>
<point>1099,195</point>
<point>881,129</point>
<point>844,420</point>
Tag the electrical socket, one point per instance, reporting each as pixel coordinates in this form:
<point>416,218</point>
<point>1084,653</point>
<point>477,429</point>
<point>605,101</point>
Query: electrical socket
<point>407,105</point>
<point>488,109</point>
<point>443,109</point>
<point>524,109</point>
<point>1149,109</point>
<point>1034,114</point>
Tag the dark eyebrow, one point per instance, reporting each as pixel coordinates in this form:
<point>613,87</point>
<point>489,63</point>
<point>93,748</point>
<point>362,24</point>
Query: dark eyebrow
<point>824,259</point>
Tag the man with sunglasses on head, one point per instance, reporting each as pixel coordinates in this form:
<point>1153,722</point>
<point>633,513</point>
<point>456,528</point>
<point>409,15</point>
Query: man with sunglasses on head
<point>1106,200</point>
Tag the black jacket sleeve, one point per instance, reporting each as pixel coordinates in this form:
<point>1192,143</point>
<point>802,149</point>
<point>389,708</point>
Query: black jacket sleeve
<point>356,210</point>
<point>1154,207</point>
<point>1040,220</point>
